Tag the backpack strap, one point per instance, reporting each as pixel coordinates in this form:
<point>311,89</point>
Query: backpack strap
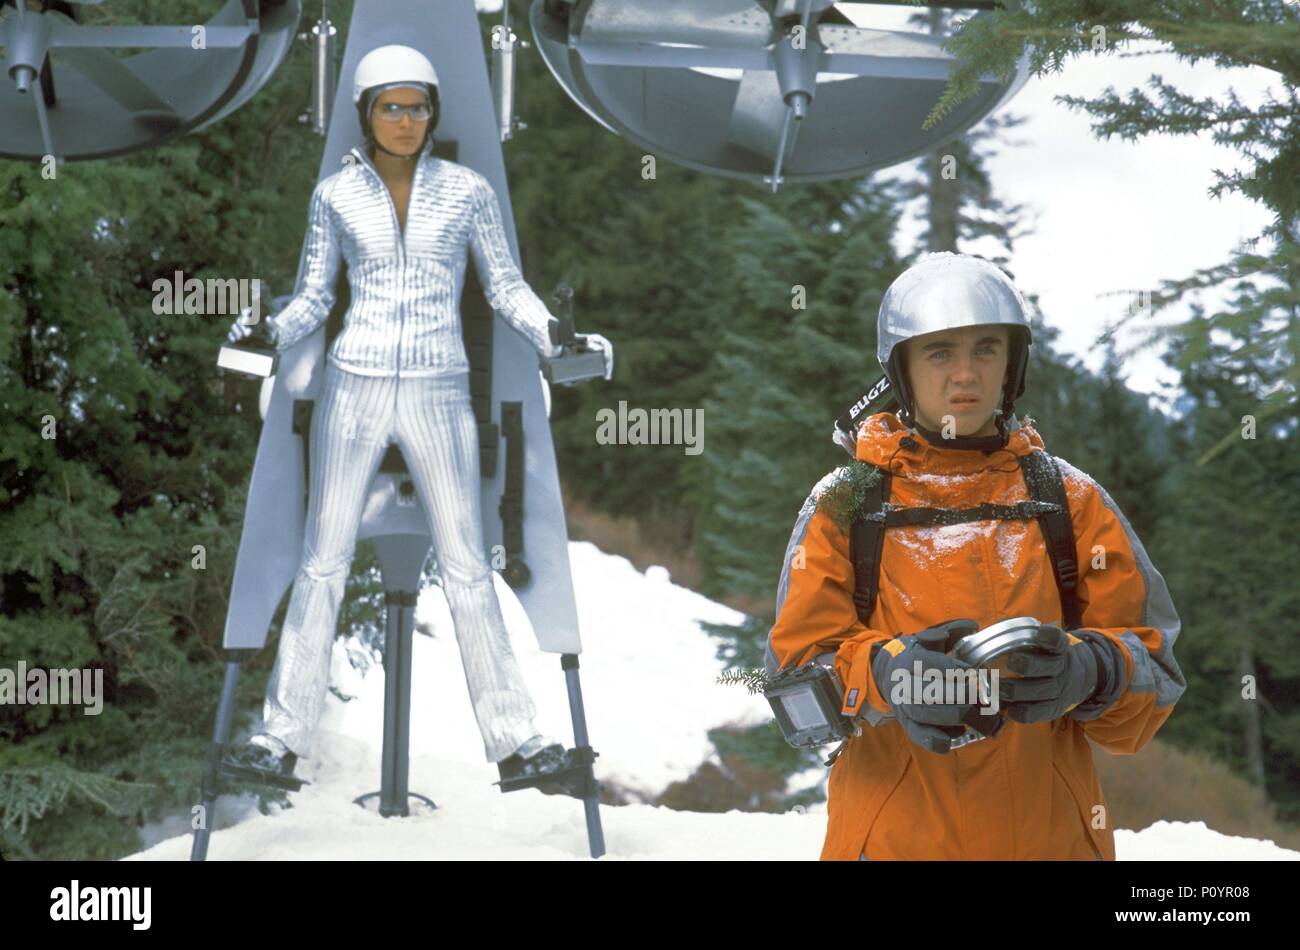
<point>1045,484</point>
<point>1047,504</point>
<point>930,517</point>
<point>866,542</point>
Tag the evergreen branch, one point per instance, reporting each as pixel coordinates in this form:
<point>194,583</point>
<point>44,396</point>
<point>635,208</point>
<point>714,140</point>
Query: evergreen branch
<point>13,844</point>
<point>995,42</point>
<point>1269,406</point>
<point>29,793</point>
<point>843,497</point>
<point>755,680</point>
<point>1245,42</point>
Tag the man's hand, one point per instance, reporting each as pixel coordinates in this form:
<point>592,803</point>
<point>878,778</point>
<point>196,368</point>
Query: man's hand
<point>932,726</point>
<point>1058,675</point>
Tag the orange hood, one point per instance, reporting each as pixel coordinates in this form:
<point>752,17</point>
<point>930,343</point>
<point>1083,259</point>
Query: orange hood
<point>881,442</point>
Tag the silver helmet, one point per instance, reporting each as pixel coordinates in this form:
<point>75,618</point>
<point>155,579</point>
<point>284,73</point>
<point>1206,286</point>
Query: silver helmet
<point>943,291</point>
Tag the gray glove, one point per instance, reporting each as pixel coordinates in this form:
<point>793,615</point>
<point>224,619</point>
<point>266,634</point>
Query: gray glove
<point>932,726</point>
<point>1058,675</point>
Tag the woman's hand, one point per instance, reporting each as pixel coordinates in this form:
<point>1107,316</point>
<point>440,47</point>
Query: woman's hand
<point>262,331</point>
<point>597,342</point>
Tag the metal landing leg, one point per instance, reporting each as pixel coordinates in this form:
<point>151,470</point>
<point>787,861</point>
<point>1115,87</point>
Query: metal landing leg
<point>394,796</point>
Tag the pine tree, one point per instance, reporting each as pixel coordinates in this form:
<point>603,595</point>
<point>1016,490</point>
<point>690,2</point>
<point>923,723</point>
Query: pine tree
<point>1230,33</point>
<point>808,279</point>
<point>1123,444</point>
<point>640,240</point>
<point>1227,550</point>
<point>124,457</point>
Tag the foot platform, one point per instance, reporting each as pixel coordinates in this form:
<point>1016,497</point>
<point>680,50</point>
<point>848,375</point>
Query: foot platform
<point>240,772</point>
<point>574,777</point>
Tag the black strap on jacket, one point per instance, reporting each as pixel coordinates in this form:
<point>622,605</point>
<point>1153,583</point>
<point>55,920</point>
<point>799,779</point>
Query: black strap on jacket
<point>866,541</point>
<point>1043,479</point>
<point>1047,504</point>
<point>1021,511</point>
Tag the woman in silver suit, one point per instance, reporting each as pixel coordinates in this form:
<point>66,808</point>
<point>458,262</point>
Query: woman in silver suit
<point>404,221</point>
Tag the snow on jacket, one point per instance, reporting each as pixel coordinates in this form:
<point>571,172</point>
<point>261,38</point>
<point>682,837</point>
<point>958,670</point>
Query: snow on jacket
<point>1031,792</point>
<point>404,318</point>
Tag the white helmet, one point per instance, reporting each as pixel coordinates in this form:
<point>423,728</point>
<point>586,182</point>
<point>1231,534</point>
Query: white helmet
<point>387,65</point>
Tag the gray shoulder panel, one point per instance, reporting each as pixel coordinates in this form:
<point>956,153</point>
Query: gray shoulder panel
<point>1160,673</point>
<point>797,536</point>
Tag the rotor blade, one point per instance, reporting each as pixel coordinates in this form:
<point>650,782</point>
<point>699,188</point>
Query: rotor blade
<point>758,113</point>
<point>832,16</point>
<point>648,55</point>
<point>114,78</point>
<point>707,23</point>
<point>885,54</point>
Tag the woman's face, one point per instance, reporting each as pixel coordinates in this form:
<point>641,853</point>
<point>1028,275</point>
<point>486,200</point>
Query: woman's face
<point>404,135</point>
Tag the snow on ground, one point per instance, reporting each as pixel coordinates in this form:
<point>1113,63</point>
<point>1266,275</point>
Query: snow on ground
<point>647,670</point>
<point>475,821</point>
<point>1193,841</point>
<point>648,681</point>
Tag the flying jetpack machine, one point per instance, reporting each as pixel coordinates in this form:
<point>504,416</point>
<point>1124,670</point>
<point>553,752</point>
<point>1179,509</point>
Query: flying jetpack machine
<point>768,91</point>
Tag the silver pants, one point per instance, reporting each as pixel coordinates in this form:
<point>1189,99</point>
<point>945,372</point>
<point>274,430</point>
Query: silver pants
<point>431,420</point>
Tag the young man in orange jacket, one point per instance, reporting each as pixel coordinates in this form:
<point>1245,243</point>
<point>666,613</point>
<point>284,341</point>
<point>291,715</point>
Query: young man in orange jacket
<point>962,537</point>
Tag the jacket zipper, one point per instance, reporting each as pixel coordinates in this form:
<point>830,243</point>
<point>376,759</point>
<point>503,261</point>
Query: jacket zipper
<point>401,253</point>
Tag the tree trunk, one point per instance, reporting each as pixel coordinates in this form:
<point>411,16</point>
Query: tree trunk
<point>943,194</point>
<point>1252,734</point>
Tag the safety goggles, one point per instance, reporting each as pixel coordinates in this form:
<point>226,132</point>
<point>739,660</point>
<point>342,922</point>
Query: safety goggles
<point>393,112</point>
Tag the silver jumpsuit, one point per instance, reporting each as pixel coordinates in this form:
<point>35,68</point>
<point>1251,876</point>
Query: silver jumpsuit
<point>398,372</point>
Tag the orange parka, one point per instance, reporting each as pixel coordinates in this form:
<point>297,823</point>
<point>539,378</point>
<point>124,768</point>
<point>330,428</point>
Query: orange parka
<point>1031,791</point>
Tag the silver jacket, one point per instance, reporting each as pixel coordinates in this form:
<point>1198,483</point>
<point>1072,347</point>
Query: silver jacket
<point>404,318</point>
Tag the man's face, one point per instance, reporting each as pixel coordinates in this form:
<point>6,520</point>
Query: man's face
<point>956,378</point>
